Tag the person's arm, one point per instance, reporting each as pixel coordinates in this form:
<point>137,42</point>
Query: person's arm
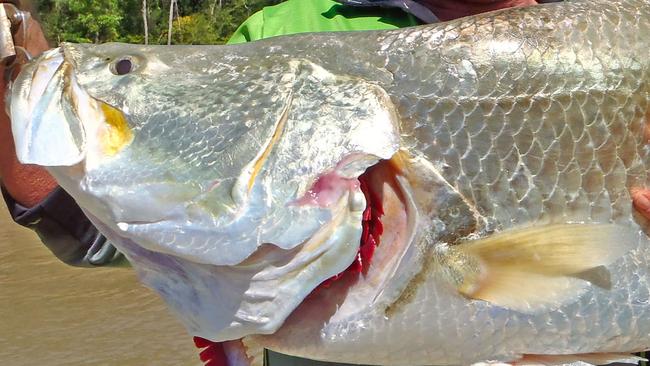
<point>28,185</point>
<point>33,197</point>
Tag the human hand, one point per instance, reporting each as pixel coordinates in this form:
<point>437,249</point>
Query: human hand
<point>27,184</point>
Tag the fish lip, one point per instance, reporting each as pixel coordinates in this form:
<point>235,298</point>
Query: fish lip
<point>36,79</point>
<point>48,103</point>
<point>48,86</point>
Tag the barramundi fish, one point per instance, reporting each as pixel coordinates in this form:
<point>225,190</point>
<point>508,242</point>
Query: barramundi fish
<point>449,194</point>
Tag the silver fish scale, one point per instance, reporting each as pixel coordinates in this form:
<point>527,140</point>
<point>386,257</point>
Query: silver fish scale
<point>541,144</point>
<point>534,117</point>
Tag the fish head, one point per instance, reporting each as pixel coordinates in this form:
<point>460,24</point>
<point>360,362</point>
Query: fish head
<point>229,178</point>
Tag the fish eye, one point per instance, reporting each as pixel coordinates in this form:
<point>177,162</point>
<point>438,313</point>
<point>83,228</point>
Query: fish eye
<point>122,66</point>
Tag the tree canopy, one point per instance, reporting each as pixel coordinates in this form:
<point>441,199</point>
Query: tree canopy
<point>194,21</point>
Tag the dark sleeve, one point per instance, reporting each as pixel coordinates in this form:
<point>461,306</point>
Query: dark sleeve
<point>65,230</point>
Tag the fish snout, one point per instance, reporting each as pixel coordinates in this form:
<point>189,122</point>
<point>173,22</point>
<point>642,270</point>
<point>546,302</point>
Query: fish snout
<point>56,123</point>
<point>45,129</point>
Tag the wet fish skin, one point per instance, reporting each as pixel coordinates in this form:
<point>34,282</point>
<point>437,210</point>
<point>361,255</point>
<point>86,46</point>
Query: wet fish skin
<point>523,117</point>
<point>532,115</point>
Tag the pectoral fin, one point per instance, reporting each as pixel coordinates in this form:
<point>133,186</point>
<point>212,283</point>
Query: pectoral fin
<point>535,268</point>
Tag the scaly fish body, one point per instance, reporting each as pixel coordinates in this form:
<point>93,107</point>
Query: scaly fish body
<point>228,176</point>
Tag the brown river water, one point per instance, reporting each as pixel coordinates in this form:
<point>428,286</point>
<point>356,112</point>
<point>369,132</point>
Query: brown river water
<point>53,314</point>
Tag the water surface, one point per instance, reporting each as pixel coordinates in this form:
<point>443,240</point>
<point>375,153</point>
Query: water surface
<point>53,314</point>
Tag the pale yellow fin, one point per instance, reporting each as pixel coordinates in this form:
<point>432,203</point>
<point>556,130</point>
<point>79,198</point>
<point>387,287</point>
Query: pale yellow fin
<point>536,268</point>
<point>528,292</point>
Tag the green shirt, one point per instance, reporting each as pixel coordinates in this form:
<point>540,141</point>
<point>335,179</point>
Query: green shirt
<point>300,16</point>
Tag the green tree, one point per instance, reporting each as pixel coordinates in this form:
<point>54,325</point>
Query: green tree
<point>197,21</point>
<point>82,20</point>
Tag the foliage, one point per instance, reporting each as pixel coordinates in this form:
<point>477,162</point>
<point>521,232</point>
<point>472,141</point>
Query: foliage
<point>193,29</point>
<point>83,21</point>
<point>194,21</point>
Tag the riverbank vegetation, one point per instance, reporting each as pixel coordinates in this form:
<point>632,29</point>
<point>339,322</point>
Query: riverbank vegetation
<point>144,21</point>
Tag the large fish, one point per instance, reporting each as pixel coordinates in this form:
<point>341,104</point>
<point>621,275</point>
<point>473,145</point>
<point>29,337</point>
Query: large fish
<point>447,194</point>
